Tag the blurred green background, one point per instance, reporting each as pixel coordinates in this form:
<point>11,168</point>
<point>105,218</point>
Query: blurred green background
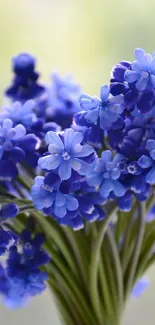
<point>86,38</point>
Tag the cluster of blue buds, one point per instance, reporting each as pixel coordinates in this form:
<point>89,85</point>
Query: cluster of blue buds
<point>68,155</point>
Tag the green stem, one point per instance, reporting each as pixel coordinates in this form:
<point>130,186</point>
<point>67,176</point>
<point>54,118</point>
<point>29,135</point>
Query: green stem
<point>94,263</point>
<point>137,248</point>
<point>118,268</point>
<point>77,252</point>
<point>64,304</point>
<point>126,246</point>
<point>55,235</point>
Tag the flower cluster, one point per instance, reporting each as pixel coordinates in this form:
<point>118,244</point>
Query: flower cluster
<point>69,155</point>
<point>61,192</point>
<point>21,277</point>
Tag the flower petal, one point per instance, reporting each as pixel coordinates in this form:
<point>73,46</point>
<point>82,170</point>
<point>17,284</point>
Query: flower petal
<point>71,203</point>
<point>52,138</point>
<point>150,144</point>
<point>131,76</point>
<point>118,188</point>
<point>87,102</point>
<point>106,188</point>
<point>139,55</point>
<point>65,170</point>
<point>50,162</point>
<point>142,83</point>
<point>71,138</point>
<point>150,177</point>
<point>107,156</point>
<point>145,162</point>
<point>104,93</point>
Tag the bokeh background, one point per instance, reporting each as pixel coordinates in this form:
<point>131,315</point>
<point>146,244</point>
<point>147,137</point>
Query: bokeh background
<point>86,38</point>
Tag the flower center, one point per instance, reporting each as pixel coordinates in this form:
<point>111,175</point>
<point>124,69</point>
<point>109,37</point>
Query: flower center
<point>65,155</point>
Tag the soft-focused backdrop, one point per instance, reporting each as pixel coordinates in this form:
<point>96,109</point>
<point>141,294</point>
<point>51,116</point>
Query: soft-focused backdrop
<point>86,38</point>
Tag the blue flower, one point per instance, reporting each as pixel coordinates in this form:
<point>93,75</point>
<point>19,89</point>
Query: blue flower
<point>88,209</point>
<point>54,202</point>
<point>136,81</point>
<point>148,162</point>
<point>130,139</point>
<point>63,100</point>
<point>8,135</point>
<point>7,240</point>
<point>66,153</point>
<point>21,113</point>
<point>24,85</point>
<point>69,202</point>
<point>15,147</point>
<point>106,175</point>
<point>118,86</point>
<point>22,278</point>
<point>102,112</point>
<point>142,71</point>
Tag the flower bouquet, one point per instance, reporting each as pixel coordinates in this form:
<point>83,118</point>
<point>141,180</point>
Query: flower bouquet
<point>77,176</point>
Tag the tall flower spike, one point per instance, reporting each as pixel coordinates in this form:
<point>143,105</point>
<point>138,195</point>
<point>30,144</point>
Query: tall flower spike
<point>24,85</point>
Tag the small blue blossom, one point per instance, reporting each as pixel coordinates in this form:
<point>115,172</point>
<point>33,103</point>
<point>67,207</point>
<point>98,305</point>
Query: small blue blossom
<point>66,153</point>
<point>9,134</point>
<point>103,111</point>
<point>54,202</point>
<point>26,114</point>
<point>21,113</point>
<point>106,175</point>
<point>15,146</point>
<point>63,100</point>
<point>118,86</point>
<point>24,85</point>
<point>142,71</point>
<point>62,200</point>
<point>136,81</point>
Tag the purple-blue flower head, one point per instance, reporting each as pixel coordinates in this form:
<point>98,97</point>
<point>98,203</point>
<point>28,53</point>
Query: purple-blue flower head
<point>136,81</point>
<point>54,201</point>
<point>24,85</point>
<point>66,153</point>
<point>142,71</point>
<point>106,174</point>
<point>21,113</point>
<point>103,111</point>
<point>9,134</point>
